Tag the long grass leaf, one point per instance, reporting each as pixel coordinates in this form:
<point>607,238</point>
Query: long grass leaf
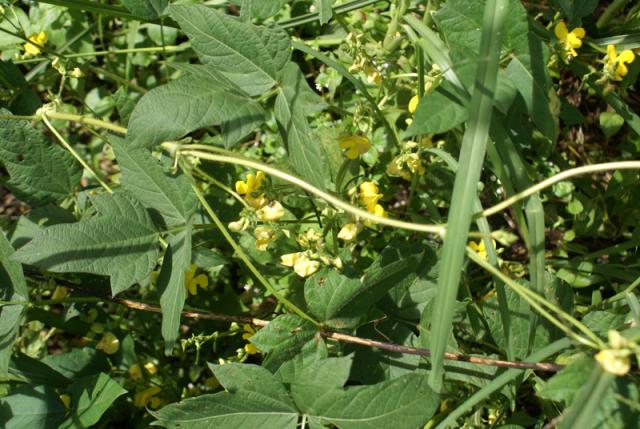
<point>472,155</point>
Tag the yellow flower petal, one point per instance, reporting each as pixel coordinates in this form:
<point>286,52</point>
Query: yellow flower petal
<point>304,266</point>
<point>151,368</point>
<point>109,343</point>
<point>356,145</point>
<point>561,30</point>
<point>348,232</point>
<point>413,104</point>
<point>289,260</point>
<point>141,399</point>
<point>135,373</point>
<point>627,56</point>
<point>271,212</point>
<point>613,362</point>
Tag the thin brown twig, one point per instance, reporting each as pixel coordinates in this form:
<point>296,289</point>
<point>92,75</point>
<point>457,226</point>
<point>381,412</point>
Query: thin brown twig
<point>331,335</point>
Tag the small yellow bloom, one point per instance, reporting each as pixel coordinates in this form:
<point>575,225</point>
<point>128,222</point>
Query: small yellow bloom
<point>249,332</point>
<point>348,232</point>
<point>378,210</point>
<point>264,235</point>
<point>256,202</point>
<point>60,292</point>
<point>310,239</point>
<point>109,343</point>
<point>135,373</point>
<point>151,368</point>
<point>373,75</point>
<point>480,248</point>
<point>415,164</point>
<point>413,104</point>
<point>570,40</point>
<point>302,265</point>
<point>355,145</point>
<point>143,398</point>
<point>191,281</point>
<point>36,41</point>
<point>239,225</point>
<point>615,362</point>
<point>76,73</point>
<point>251,185</point>
<point>66,400</point>
<point>616,64</point>
<point>369,195</point>
<point>271,212</point>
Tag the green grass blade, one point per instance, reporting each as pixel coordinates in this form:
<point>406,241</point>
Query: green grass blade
<point>582,412</point>
<point>497,383</point>
<point>465,187</point>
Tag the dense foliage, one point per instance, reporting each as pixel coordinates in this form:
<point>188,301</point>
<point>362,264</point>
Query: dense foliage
<point>319,213</point>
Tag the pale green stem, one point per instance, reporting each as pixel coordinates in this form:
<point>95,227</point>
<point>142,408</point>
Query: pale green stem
<point>198,151</point>
<point>107,52</point>
<point>75,154</point>
<point>81,119</point>
<point>222,186</point>
<point>595,168</point>
<point>538,302</point>
<point>242,255</point>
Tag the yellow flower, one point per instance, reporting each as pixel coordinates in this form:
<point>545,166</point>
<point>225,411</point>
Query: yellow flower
<point>570,40</point>
<point>415,164</point>
<point>616,64</point>
<point>151,368</point>
<point>413,104</point>
<point>272,212</point>
<point>239,225</point>
<point>135,372</point>
<point>60,292</point>
<point>480,248</point>
<point>615,362</point>
<point>373,75</point>
<point>310,238</point>
<point>264,235</point>
<point>143,398</point>
<point>251,185</point>
<point>348,232</point>
<point>191,281</point>
<point>302,265</point>
<point>66,400</point>
<point>109,343</point>
<point>355,145</point>
<point>378,210</point>
<point>36,41</point>
<point>369,195</point>
<point>249,332</point>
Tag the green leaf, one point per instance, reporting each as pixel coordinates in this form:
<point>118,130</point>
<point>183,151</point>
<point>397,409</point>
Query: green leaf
<point>79,362</point>
<point>236,377</point>
<point>251,56</point>
<point>325,11</point>
<point>40,170</point>
<point>147,10</point>
<point>406,402</point>
<point>283,338</point>
<point>90,398</point>
<point>576,9</point>
<point>193,101</point>
<point>610,123</point>
<point>13,287</point>
<point>36,372</point>
<point>177,260</point>
<point>120,241</point>
<point>254,399</point>
<point>564,385</point>
<point>438,111</point>
<point>291,107</point>
<point>143,176</point>
<point>327,292</point>
<point>34,407</point>
<point>263,9</point>
<point>319,378</point>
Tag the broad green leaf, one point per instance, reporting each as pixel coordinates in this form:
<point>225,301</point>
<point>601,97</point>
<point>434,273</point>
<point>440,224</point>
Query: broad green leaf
<point>406,402</point>
<point>26,100</point>
<point>263,9</point>
<point>143,177</point>
<point>438,111</point>
<point>173,110</point>
<point>564,385</point>
<point>146,9</point>
<point>576,9</point>
<point>327,292</point>
<point>90,398</point>
<point>33,407</point>
<point>283,338</point>
<point>254,399</point>
<point>31,224</point>
<point>13,287</point>
<point>318,379</point>
<point>36,372</point>
<point>78,362</point>
<point>325,11</point>
<point>120,241</point>
<point>291,106</point>
<point>40,170</point>
<point>177,260</point>
<point>236,377</point>
<point>610,123</point>
<point>251,56</point>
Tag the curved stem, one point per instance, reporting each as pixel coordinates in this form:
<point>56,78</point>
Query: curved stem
<point>75,154</point>
<point>222,186</point>
<point>198,151</point>
<point>621,165</point>
<point>81,119</point>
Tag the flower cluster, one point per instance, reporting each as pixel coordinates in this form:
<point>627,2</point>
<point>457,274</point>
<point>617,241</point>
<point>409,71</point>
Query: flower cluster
<point>307,262</point>
<point>369,195</point>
